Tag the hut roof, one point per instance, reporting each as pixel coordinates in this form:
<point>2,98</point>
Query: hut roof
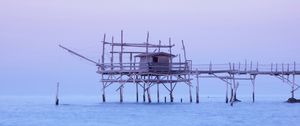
<point>155,54</point>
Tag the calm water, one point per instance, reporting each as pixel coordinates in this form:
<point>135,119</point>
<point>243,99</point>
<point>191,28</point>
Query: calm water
<point>79,111</point>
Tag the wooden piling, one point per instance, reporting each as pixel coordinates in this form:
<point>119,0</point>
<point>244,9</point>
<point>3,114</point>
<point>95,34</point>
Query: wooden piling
<point>121,90</point>
<point>103,88</point>
<point>136,88</point>
<point>103,92</point>
<point>112,54</point>
<point>122,49</point>
<point>253,88</point>
<point>56,97</point>
<point>171,89</point>
<point>190,92</point>
<point>293,85</point>
<point>148,93</point>
<point>103,51</point>
<point>226,99</point>
<point>197,88</point>
<point>148,90</point>
<point>121,94</point>
<point>102,68</point>
<point>157,91</point>
<point>144,95</point>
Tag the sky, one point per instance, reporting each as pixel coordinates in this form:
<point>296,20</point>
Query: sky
<point>216,31</point>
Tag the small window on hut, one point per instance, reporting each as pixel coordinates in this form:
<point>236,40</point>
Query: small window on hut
<point>155,59</point>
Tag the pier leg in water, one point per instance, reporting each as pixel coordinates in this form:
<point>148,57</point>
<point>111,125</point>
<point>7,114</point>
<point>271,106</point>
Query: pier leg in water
<point>148,93</point>
<point>171,96</point>
<point>157,93</point>
<point>103,92</point>
<point>148,90</point>
<point>121,94</point>
<point>149,96</point>
<point>171,92</point>
<point>226,100</point>
<point>165,99</point>
<point>190,91</point>
<point>235,92</point>
<point>137,92</point>
<point>56,98</point>
<point>197,88</point>
<point>231,95</point>
<point>144,95</point>
<point>136,88</point>
<point>253,88</point>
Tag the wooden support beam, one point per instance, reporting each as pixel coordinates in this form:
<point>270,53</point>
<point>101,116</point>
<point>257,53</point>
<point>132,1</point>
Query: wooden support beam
<point>253,88</point>
<point>144,88</point>
<point>130,61</point>
<point>197,88</point>
<point>226,99</point>
<point>112,54</point>
<point>56,98</point>
<point>293,85</point>
<point>121,94</point>
<point>148,90</point>
<point>171,90</point>
<point>251,66</point>
<point>245,69</point>
<point>103,51</point>
<point>235,91</point>
<point>147,43</point>
<point>159,43</point>
<point>184,52</point>
<point>103,88</point>
<point>170,51</point>
<point>121,90</point>
<point>190,92</point>
<point>157,91</point>
<point>231,94</point>
<point>165,99</point>
<point>121,54</point>
<point>136,88</point>
<point>134,62</point>
<point>139,45</point>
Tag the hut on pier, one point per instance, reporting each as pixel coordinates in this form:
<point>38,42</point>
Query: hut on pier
<point>155,62</point>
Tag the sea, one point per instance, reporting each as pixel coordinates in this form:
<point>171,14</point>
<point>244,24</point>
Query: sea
<point>90,111</point>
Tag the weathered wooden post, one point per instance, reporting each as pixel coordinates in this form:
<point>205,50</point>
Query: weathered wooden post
<point>171,90</point>
<point>226,99</point>
<point>56,98</point>
<point>112,54</point>
<point>186,64</point>
<point>121,89</point>
<point>136,88</point>
<point>293,85</point>
<point>253,87</point>
<point>148,90</point>
<point>144,91</point>
<point>121,53</point>
<point>197,88</point>
<point>157,91</point>
<point>102,68</point>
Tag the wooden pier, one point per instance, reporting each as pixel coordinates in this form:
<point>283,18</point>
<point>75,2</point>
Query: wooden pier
<point>156,64</point>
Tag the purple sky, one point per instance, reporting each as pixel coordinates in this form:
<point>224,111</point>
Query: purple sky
<point>216,30</point>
